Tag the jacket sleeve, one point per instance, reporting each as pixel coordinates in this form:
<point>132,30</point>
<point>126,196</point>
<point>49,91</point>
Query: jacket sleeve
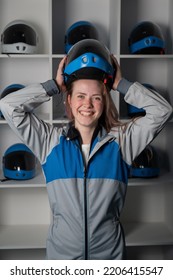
<point>141,131</point>
<point>18,110</point>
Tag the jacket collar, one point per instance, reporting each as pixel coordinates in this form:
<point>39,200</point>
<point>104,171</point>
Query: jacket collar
<point>72,133</point>
<point>100,137</point>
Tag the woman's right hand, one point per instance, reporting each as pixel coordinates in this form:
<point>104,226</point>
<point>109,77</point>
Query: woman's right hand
<point>59,75</point>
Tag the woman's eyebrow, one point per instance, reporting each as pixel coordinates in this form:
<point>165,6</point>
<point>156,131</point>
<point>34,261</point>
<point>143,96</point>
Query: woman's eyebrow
<point>95,94</point>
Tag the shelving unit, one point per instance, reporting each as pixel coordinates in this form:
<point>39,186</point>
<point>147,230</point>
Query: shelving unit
<point>24,207</point>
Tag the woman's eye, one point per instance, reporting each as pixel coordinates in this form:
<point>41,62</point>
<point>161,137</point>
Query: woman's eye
<point>80,96</point>
<point>98,98</point>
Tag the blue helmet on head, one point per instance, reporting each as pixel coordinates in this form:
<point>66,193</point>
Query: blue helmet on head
<point>146,38</point>
<point>78,31</point>
<point>9,89</point>
<point>89,59</point>
<point>19,162</point>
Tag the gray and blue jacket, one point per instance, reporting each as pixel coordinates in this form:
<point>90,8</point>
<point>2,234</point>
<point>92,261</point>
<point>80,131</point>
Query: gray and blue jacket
<point>86,201</point>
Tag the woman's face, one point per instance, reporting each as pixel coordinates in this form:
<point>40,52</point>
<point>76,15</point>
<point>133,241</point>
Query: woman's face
<point>86,103</point>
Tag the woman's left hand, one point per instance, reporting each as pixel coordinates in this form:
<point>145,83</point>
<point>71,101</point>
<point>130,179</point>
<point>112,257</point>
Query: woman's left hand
<point>118,75</point>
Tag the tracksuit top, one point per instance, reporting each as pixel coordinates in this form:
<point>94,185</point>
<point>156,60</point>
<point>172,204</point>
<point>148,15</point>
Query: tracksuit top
<point>85,200</point>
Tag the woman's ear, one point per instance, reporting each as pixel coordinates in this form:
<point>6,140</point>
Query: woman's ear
<point>69,100</point>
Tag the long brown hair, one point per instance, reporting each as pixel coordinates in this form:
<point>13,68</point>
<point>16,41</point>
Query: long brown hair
<point>109,117</point>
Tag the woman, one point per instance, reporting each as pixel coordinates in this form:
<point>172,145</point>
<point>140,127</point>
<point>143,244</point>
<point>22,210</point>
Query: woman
<point>86,164</point>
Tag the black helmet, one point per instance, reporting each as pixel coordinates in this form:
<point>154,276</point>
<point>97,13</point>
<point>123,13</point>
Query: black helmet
<point>78,31</point>
<point>19,162</point>
<point>89,59</point>
<point>19,37</point>
<point>146,38</point>
<point>146,164</point>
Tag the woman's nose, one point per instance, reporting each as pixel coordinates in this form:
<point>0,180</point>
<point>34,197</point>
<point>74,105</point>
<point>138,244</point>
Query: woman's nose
<point>88,102</point>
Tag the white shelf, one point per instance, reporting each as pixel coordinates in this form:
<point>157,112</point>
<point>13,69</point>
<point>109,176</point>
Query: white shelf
<point>37,182</point>
<point>165,180</point>
<point>24,56</point>
<point>148,234</point>
<point>60,121</point>
<point>23,236</point>
<point>155,56</point>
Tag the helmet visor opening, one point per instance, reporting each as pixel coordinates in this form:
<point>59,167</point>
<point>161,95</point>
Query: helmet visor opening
<point>20,160</point>
<point>80,33</point>
<point>20,33</point>
<point>144,30</point>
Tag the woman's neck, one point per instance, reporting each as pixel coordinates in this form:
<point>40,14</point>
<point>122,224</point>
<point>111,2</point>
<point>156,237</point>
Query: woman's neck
<point>86,134</point>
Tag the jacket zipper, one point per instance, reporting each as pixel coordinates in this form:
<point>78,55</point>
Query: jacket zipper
<point>85,215</point>
<point>85,207</point>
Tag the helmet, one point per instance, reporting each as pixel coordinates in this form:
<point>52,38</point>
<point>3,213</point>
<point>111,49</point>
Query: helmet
<point>78,31</point>
<point>89,59</point>
<point>146,164</point>
<point>19,37</point>
<point>134,111</point>
<point>9,89</point>
<point>146,38</point>
<point>19,162</point>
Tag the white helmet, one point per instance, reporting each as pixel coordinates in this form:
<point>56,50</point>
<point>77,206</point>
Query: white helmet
<point>19,37</point>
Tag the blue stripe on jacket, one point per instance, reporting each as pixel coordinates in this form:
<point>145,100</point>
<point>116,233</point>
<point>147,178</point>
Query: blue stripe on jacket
<point>65,161</point>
